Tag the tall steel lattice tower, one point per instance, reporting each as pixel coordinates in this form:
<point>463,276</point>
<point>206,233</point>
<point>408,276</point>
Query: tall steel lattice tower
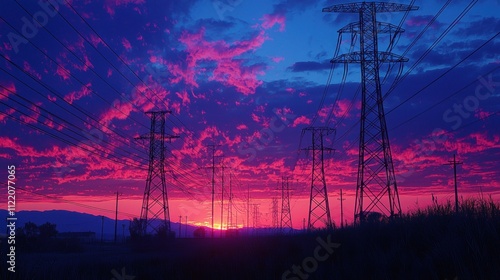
<point>275,214</point>
<point>155,216</point>
<point>376,177</point>
<point>286,214</point>
<point>319,208</point>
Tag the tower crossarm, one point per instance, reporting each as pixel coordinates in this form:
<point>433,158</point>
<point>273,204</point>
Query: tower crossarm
<point>380,7</point>
<point>382,27</point>
<point>356,57</point>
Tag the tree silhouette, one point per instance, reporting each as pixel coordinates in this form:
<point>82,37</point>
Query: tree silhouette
<point>30,230</point>
<point>47,231</point>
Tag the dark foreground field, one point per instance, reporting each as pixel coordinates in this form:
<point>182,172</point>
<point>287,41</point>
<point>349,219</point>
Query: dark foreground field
<point>428,244</point>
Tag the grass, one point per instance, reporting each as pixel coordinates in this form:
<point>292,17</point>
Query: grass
<point>430,243</point>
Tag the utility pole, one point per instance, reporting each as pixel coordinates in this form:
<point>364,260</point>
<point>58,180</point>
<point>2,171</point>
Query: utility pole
<point>116,215</point>
<point>319,208</point>
<point>376,177</point>
<point>186,228</point>
<point>180,226</point>
<point>341,209</point>
<point>155,199</point>
<point>454,162</point>
<point>102,229</point>
<point>213,148</point>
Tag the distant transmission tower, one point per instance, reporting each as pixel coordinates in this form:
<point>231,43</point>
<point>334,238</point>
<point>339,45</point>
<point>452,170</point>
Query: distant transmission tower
<point>155,217</point>
<point>213,147</point>
<point>319,208</point>
<point>376,177</point>
<point>286,215</point>
<point>222,201</point>
<point>229,223</point>
<point>256,217</point>
<point>275,212</point>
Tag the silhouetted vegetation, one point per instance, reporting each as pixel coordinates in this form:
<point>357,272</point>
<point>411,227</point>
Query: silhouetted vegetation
<point>199,232</point>
<point>431,243</point>
<point>43,238</point>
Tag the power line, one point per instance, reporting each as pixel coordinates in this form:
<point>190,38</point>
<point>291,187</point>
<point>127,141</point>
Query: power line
<point>126,163</point>
<point>77,57</point>
<point>83,205</point>
<point>444,73</point>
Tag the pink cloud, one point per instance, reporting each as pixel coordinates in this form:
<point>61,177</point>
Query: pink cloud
<point>63,72</point>
<point>126,44</point>
<point>481,114</point>
<point>7,46</point>
<point>76,95</point>
<point>153,59</point>
<point>232,73</point>
<point>229,70</point>
<point>272,19</point>
<point>78,47</point>
<point>176,107</point>
<point>324,112</point>
<point>301,120</point>
<point>51,98</point>
<point>241,127</point>
<point>184,97</point>
<point>255,118</point>
<point>50,123</point>
<point>422,20</point>
<point>33,114</point>
<point>111,5</point>
<point>27,67</point>
<point>260,109</point>
<point>142,99</point>
<point>474,143</point>
<point>277,59</point>
<point>342,108</point>
<point>5,116</point>
<point>9,89</point>
<point>95,40</point>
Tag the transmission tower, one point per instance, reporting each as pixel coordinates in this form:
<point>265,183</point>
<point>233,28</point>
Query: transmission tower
<point>275,211</point>
<point>286,215</point>
<point>256,217</point>
<point>229,223</point>
<point>319,208</point>
<point>248,209</point>
<point>376,177</point>
<point>213,147</point>
<point>155,217</point>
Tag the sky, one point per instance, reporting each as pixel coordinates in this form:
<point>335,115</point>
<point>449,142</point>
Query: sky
<point>246,76</point>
